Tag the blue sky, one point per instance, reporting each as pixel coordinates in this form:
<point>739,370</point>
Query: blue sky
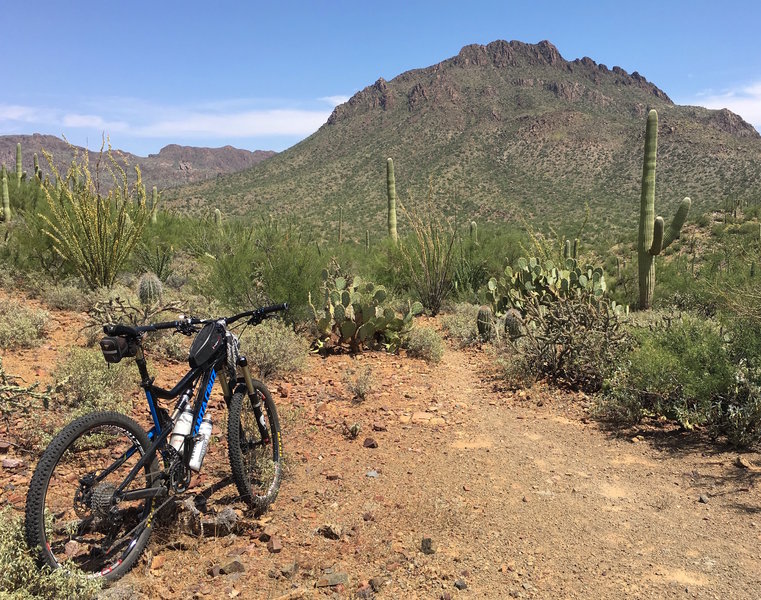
<point>264,75</point>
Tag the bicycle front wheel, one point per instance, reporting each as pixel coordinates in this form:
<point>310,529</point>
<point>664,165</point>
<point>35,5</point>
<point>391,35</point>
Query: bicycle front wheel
<point>71,515</point>
<point>255,447</point>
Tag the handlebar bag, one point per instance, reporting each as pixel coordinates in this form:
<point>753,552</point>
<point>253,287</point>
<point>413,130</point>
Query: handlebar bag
<point>117,347</point>
<point>207,345</point>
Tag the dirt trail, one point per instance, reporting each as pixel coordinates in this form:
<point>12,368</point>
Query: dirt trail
<point>521,495</point>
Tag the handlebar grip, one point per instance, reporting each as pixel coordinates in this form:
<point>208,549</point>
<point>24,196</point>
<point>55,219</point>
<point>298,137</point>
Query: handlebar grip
<point>165,325</point>
<point>274,308</point>
<point>119,329</point>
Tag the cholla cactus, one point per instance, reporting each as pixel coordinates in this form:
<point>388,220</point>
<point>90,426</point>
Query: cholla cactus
<point>149,289</point>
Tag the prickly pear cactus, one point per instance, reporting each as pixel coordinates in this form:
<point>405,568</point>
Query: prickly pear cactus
<point>357,313</point>
<point>149,289</point>
<point>545,282</point>
<point>485,323</point>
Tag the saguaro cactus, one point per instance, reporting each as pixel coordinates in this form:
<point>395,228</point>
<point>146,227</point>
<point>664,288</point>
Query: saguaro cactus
<point>218,217</point>
<point>19,165</point>
<point>6,199</point>
<point>651,239</point>
<point>340,225</point>
<point>154,205</point>
<point>474,232</point>
<point>391,191</point>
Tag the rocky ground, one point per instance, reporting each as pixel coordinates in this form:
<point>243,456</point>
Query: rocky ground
<point>454,487</point>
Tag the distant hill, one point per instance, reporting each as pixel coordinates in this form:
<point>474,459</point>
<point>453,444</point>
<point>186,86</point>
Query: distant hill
<point>173,165</point>
<point>505,129</point>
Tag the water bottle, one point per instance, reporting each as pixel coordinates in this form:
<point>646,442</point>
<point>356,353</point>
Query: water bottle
<point>201,445</point>
<point>181,428</point>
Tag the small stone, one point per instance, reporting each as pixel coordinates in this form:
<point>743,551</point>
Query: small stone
<point>372,473</point>
<point>215,570</point>
<point>421,417</point>
<point>427,546</point>
<point>460,584</point>
<point>376,427</point>
<point>331,476</point>
<point>370,443</point>
<point>332,579</point>
<point>703,499</point>
<point>368,516</point>
<point>12,463</point>
<point>266,534</point>
<point>157,562</point>
<point>365,592</point>
<point>525,498</point>
<point>446,596</point>
<point>233,567</point>
<point>330,531</point>
<point>289,570</point>
<point>377,583</point>
<point>284,389</point>
<point>404,419</point>
<point>5,446</point>
<point>437,421</point>
<point>71,548</point>
<point>274,545</point>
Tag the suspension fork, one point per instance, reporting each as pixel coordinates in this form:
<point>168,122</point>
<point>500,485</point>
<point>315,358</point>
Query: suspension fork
<point>255,397</point>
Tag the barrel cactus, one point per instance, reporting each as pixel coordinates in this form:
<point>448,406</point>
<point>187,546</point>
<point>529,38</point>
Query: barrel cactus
<point>485,323</point>
<point>513,323</point>
<point>149,289</point>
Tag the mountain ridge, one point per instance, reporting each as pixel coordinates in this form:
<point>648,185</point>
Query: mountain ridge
<point>172,165</point>
<point>507,130</point>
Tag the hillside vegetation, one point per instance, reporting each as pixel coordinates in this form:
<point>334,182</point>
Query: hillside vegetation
<point>506,131</point>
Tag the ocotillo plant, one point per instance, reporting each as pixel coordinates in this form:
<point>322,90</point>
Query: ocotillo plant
<point>19,166</point>
<point>651,239</point>
<point>391,192</point>
<point>6,199</point>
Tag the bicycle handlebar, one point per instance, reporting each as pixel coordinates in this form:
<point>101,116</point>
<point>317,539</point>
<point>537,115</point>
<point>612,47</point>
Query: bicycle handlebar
<point>256,316</point>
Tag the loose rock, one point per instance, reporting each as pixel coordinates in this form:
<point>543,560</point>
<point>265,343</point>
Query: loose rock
<point>460,584</point>
<point>370,443</point>
<point>332,579</point>
<point>330,531</point>
<point>427,546</point>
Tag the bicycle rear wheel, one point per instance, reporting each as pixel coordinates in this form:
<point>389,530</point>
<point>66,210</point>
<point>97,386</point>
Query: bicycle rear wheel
<point>255,449</point>
<point>71,518</point>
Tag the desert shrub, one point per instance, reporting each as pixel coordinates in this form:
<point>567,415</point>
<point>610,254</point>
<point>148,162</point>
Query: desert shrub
<point>460,325</point>
<point>273,348</point>
<point>512,363</point>
<point>156,257</point>
<point>65,296</point>
<point>425,343</point>
<point>359,382</point>
<point>22,579</point>
<point>85,382</point>
<point>574,342</point>
<point>677,369</point>
<point>16,397</point>
<point>21,327</point>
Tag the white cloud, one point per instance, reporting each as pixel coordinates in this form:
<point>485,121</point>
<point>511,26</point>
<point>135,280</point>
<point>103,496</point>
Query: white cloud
<point>236,125</point>
<point>92,122</point>
<point>25,114</point>
<point>334,100</point>
<point>745,101</point>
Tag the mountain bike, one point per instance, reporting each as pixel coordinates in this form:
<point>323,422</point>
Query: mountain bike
<point>97,488</point>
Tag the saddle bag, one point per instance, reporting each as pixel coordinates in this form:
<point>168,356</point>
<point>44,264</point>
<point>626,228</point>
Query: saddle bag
<point>117,347</point>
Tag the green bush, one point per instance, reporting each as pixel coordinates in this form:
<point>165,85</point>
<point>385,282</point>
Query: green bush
<point>513,364</point>
<point>22,579</point>
<point>425,343</point>
<point>678,370</point>
<point>460,325</point>
<point>273,348</point>
<point>21,327</point>
<point>85,382</point>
